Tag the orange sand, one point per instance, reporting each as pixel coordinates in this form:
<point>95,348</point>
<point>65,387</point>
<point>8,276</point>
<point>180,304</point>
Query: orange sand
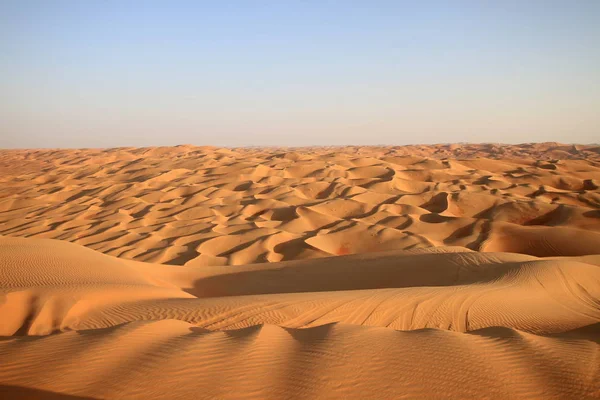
<point>463,271</point>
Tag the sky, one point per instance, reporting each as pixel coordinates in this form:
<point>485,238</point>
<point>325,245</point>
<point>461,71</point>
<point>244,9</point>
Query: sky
<point>292,73</point>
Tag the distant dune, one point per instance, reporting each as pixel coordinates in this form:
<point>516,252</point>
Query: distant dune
<point>201,206</point>
<point>460,271</point>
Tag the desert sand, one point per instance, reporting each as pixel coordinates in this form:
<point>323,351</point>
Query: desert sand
<point>443,271</point>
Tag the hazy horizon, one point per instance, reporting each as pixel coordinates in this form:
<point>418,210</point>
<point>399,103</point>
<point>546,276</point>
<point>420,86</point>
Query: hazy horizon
<point>292,74</point>
<point>274,146</point>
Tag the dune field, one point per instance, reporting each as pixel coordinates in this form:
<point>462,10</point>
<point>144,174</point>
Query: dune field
<point>441,271</point>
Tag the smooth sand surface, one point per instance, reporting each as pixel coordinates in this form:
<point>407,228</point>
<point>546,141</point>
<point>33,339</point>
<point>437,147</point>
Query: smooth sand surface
<point>460,271</point>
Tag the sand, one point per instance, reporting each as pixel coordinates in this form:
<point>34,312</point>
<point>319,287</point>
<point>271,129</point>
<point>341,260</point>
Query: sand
<point>446,271</point>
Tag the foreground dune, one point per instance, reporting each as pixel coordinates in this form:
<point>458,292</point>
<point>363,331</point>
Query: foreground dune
<point>172,359</point>
<point>384,325</point>
<point>460,271</point>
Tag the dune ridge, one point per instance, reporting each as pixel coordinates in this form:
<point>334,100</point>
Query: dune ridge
<point>490,325</point>
<point>445,271</point>
<point>171,359</point>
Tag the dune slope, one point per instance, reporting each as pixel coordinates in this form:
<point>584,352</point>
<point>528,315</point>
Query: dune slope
<point>386,325</point>
<point>172,359</point>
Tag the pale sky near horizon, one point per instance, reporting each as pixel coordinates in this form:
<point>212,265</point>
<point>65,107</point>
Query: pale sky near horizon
<point>243,73</point>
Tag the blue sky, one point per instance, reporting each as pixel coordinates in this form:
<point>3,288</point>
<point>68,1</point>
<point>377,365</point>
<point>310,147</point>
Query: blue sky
<point>240,73</point>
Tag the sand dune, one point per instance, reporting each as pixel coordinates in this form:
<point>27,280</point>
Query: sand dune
<point>172,359</point>
<point>506,325</point>
<point>60,286</point>
<point>206,206</point>
<point>460,271</point>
